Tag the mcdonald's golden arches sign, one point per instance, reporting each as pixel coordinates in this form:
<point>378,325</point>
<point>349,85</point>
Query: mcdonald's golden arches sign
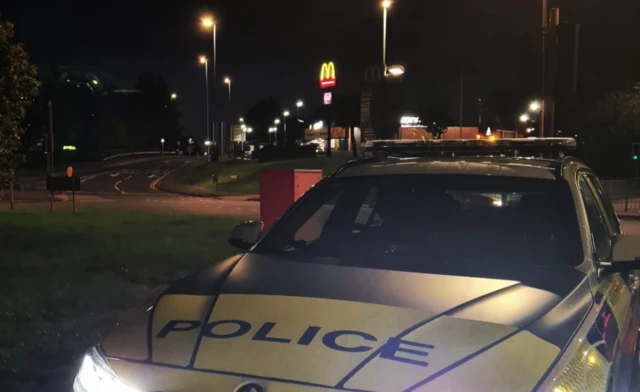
<point>328,75</point>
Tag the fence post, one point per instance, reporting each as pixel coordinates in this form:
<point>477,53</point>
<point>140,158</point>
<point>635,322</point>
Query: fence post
<point>626,196</point>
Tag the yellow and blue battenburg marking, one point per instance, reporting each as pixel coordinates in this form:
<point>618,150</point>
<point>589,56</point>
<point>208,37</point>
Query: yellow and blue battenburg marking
<point>324,343</point>
<point>590,366</point>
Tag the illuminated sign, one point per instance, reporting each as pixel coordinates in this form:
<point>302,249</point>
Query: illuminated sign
<point>328,98</point>
<point>410,122</point>
<point>328,75</point>
<point>69,148</point>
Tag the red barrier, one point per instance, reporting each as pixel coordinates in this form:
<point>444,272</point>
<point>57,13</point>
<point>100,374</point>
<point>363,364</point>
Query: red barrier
<point>279,189</point>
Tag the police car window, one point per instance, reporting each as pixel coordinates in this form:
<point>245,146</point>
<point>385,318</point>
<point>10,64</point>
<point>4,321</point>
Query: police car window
<point>423,222</point>
<point>366,215</point>
<point>597,221</point>
<point>312,228</point>
<point>603,199</point>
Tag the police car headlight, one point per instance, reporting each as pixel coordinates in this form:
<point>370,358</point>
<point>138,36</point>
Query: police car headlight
<point>96,375</point>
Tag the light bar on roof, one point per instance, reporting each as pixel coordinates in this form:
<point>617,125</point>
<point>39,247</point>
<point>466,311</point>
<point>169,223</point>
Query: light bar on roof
<point>471,144</point>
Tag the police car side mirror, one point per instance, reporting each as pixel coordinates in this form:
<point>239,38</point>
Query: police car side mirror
<point>245,235</point>
<point>625,254</point>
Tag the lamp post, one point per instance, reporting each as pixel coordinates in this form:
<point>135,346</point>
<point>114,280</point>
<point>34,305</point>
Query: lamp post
<point>209,23</point>
<point>162,143</point>
<point>537,108</point>
<point>205,62</point>
<point>385,5</point>
<point>299,105</point>
<point>227,81</point>
<point>286,114</point>
<point>276,122</point>
<point>272,130</point>
<point>247,130</point>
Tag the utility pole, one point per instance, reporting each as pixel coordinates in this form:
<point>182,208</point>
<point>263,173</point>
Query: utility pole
<point>544,65</point>
<point>50,158</point>
<point>329,153</point>
<point>461,98</point>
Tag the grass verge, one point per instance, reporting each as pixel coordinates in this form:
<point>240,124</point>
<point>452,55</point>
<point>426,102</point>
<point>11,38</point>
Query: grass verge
<point>65,280</point>
<point>247,173</point>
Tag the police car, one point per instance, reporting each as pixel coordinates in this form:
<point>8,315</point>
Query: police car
<point>430,266</point>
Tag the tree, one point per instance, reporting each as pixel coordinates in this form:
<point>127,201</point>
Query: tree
<point>154,115</point>
<point>18,88</point>
<point>436,118</point>
<point>261,117</point>
<point>610,131</point>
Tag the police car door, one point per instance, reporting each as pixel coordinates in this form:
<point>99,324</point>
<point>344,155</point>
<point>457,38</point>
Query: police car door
<point>615,330</point>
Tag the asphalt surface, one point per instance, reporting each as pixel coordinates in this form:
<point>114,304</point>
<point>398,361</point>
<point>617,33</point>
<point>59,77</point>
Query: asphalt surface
<point>137,177</point>
<point>130,186</point>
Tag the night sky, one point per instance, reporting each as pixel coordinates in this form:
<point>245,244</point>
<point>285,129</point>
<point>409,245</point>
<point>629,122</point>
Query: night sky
<point>275,48</point>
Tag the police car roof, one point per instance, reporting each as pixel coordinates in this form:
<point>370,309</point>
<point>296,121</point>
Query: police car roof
<point>466,165</point>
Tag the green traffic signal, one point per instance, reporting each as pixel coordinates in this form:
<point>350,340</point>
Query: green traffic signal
<point>636,157</point>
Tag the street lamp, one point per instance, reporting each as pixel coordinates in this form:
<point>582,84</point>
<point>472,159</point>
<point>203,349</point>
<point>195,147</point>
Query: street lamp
<point>535,106</point>
<point>299,104</point>
<point>277,121</point>
<point>386,4</point>
<point>395,70</point>
<point>208,23</point>
<point>241,120</point>
<point>205,62</point>
<point>208,145</point>
<point>162,142</point>
<point>524,118</point>
<point>174,96</point>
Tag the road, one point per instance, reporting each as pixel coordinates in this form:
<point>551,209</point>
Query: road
<point>134,178</point>
<point>130,187</point>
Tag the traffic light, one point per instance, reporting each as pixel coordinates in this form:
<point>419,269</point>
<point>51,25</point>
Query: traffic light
<point>636,152</point>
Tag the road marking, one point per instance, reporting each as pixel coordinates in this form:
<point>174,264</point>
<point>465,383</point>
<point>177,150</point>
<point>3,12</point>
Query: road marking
<point>152,176</point>
<point>118,189</point>
<point>113,175</point>
<point>91,177</point>
<point>154,184</point>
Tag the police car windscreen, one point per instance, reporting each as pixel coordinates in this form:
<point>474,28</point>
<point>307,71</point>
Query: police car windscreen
<point>427,223</point>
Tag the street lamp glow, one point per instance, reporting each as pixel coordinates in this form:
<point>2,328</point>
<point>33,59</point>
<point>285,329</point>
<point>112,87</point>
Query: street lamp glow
<point>207,143</point>
<point>241,120</point>
<point>277,121</point>
<point>249,130</point>
<point>207,21</point>
<point>162,141</point>
<point>203,59</point>
<point>524,118</point>
<point>386,4</point>
<point>174,96</point>
<point>535,106</point>
<point>395,70</point>
<point>299,104</point>
<point>286,113</point>
<point>227,80</point>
